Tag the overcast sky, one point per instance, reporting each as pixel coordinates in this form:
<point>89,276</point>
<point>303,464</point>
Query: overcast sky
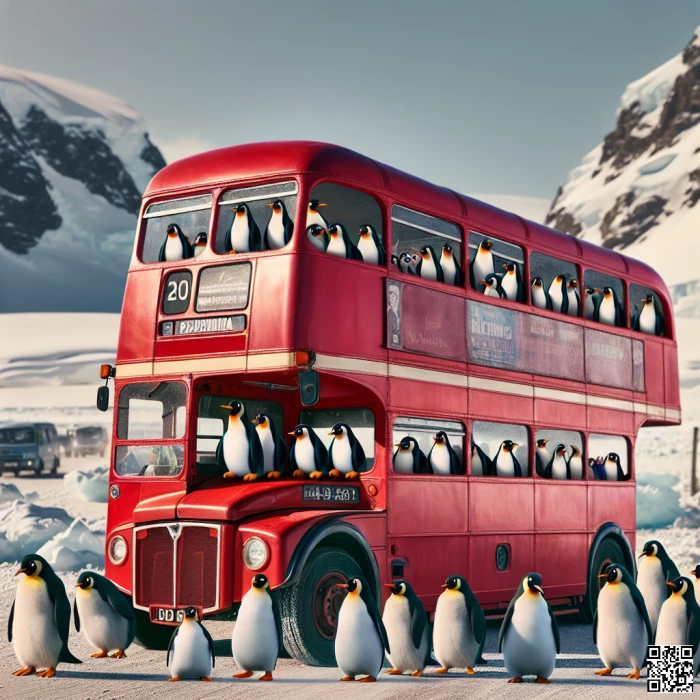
<point>487,97</point>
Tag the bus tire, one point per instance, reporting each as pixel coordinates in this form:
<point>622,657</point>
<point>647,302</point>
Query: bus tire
<point>309,607</point>
<point>55,466</point>
<point>608,552</point>
<point>149,635</point>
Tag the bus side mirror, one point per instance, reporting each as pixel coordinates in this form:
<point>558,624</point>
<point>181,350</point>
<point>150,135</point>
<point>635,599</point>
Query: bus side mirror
<point>309,387</point>
<point>103,398</point>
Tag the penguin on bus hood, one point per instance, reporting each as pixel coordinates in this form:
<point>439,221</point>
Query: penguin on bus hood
<point>491,285</point>
<point>679,620</point>
<point>481,461</point>
<point>314,216</point>
<point>613,468</point>
<point>39,621</point>
<point>273,445</point>
<point>200,243</point>
<point>511,283</point>
<point>539,295</point>
<point>591,302</point>
<point>505,462</point>
<point>407,630</point>
<point>239,452</point>
<point>318,237</point>
<point>621,607</point>
<point>558,467</point>
<point>529,636</point>
<point>428,266</point>
<point>442,459</point>
<point>542,456</point>
<point>654,569</point>
<point>574,298</point>
<point>360,639</point>
<point>192,649</point>
<point>650,319</point>
<point>243,235</point>
<point>451,271</point>
<point>696,584</point>
<point>340,244</point>
<point>558,294</point>
<point>176,245</point>
<point>609,310</point>
<point>409,458</point>
<point>575,463</point>
<point>308,456</point>
<point>481,265</point>
<point>345,455</point>
<point>370,246</point>
<point>280,227</point>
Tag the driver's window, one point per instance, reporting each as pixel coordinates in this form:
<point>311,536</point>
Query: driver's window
<point>151,411</point>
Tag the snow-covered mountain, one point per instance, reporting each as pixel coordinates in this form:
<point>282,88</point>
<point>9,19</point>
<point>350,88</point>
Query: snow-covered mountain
<point>73,164</point>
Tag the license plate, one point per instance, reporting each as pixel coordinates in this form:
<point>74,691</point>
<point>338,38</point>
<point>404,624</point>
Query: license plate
<point>12,464</point>
<point>166,615</point>
<point>333,494</point>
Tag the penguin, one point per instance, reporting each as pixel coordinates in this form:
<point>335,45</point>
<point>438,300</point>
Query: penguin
<point>360,638</point>
<point>274,447</point>
<point>314,216</point>
<point>200,243</point>
<point>409,458</point>
<point>39,621</point>
<point>405,263</point>
<point>407,629</point>
<point>609,310</point>
<point>459,630</point>
<point>107,619</point>
<point>176,246</point>
<point>529,636</point>
<point>481,462</point>
<point>542,456</point>
<point>679,619</point>
<point>539,295</point>
<point>505,462</point>
<point>192,649</point>
<point>558,467</point>
<point>280,227</point>
<point>442,459</point>
<point>575,463</point>
<point>256,642</point>
<point>340,245</point>
<point>345,455</point>
<point>243,235</point>
<point>318,237</point>
<point>308,456</point>
<point>591,302</point>
<point>558,295</point>
<point>239,452</point>
<point>655,568</point>
<point>428,266</point>
<point>621,627</point>
<point>613,468</point>
<point>696,584</point>
<point>650,319</point>
<point>481,265</point>
<point>492,287</point>
<point>370,246</point>
<point>511,283</point>
<point>574,298</point>
<point>451,271</point>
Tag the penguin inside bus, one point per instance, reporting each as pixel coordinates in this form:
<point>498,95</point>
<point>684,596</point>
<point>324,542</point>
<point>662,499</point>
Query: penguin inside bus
<point>405,263</point>
<point>650,318</point>
<point>200,243</point>
<point>239,453</point>
<point>340,244</point>
<point>308,456</point>
<point>481,462</point>
<point>574,298</point>
<point>243,235</point>
<point>542,456</point>
<point>442,459</point>
<point>318,237</point>
<point>280,227</point>
<point>505,462</point>
<point>558,294</point>
<point>491,285</point>
<point>591,302</point>
<point>273,445</point>
<point>482,265</point>
<point>409,458</point>
<point>346,456</point>
<point>176,245</point>
<point>314,216</point>
<point>451,271</point>
<point>613,468</point>
<point>575,463</point>
<point>539,295</point>
<point>558,467</point>
<point>428,266</point>
<point>511,283</point>
<point>609,310</point>
<point>370,246</point>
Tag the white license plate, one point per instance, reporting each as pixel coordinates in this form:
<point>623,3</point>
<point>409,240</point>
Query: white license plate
<point>12,464</point>
<point>166,615</point>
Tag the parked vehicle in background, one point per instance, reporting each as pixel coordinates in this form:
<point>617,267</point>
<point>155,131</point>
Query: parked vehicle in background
<point>89,440</point>
<point>29,447</point>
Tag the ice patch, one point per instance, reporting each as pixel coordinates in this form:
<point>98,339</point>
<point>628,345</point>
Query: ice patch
<point>9,492</point>
<point>92,484</point>
<point>658,503</point>
<point>656,165</point>
<point>28,526</point>
<point>75,548</point>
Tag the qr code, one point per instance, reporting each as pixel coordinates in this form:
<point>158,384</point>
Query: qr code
<point>670,669</point>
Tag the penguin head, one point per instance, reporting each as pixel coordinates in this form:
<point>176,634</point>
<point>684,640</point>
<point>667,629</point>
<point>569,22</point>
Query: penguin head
<point>241,210</point>
<point>651,548</point>
<point>607,292</point>
<point>613,574</point>
<point>339,430</point>
<point>441,438</point>
<point>34,566</point>
<point>200,239</point>
<point>399,588</point>
<point>648,299</point>
<point>263,421</point>
<point>560,450</point>
<point>696,571</point>
<point>560,278</point>
<point>447,250</point>
<point>490,281</point>
<point>235,409</point>
<point>485,247</point>
<point>314,204</point>
<point>277,207</point>
<point>613,457</point>
<point>316,231</point>
<point>354,585</point>
<point>509,267</point>
<point>509,445</point>
<point>573,284</point>
<point>406,444</point>
<point>173,231</point>
<point>260,582</point>
<point>366,231</point>
<point>537,282</point>
<point>542,443</point>
<point>190,613</point>
<point>86,581</point>
<point>426,253</point>
<point>300,432</point>
<point>532,584</point>
<point>680,586</point>
<point>575,452</point>
<point>455,583</point>
<point>406,259</point>
<point>335,230</point>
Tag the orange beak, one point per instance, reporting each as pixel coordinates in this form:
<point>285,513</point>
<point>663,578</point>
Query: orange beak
<point>255,421</point>
<point>388,585</point>
<point>20,571</point>
<point>292,433</point>
<point>344,586</point>
<point>444,585</point>
<point>321,204</point>
<point>669,583</point>
<point>229,408</point>
<point>602,576</point>
<point>269,205</point>
<point>483,282</point>
<point>78,585</point>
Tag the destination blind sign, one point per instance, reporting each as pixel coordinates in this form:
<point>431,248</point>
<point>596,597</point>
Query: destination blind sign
<point>224,288</point>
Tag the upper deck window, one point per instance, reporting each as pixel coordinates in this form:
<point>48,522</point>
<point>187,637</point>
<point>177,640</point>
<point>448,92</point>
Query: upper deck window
<point>253,219</point>
<point>425,246</point>
<point>418,451</point>
<point>604,298</point>
<point>554,285</point>
<point>646,311</point>
<point>346,223</point>
<point>496,267</point>
<point>608,457</point>
<point>499,449</point>
<point>172,229</point>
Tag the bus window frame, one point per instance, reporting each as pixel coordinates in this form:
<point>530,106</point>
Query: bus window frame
<point>536,428</point>
<point>579,276</point>
<point>631,463</point>
<point>627,326</point>
<point>530,430</point>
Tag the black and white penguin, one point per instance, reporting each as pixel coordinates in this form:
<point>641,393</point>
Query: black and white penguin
<point>609,310</point>
<point>558,467</point>
<point>346,457</point>
<point>407,629</point>
<point>273,445</point>
<point>654,569</point>
<point>591,302</point>
<point>650,319</point>
<point>409,458</point>
<point>405,263</point>
<point>176,245</point>
<point>511,283</point>
<point>696,584</point>
<point>459,630</point>
<point>243,235</point>
<point>481,265</point>
<point>340,245</point>
<point>107,620</point>
<point>505,462</point>
<point>481,461</point>
<point>491,285</point>
<point>575,463</point>
<point>574,298</point>
<point>280,227</point>
<point>318,237</point>
<point>542,456</point>
<point>529,636</point>
<point>558,294</point>
<point>314,216</point>
<point>308,456</point>
<point>428,266</point>
<point>39,621</point>
<point>442,459</point>
<point>239,452</point>
<point>370,246</point>
<point>679,620</point>
<point>192,650</point>
<point>613,468</point>
<point>200,243</point>
<point>360,639</point>
<point>621,627</point>
<point>539,295</point>
<point>451,271</point>
<point>256,642</point>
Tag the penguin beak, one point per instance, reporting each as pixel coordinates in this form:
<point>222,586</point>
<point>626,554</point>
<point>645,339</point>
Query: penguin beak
<point>20,571</point>
<point>643,554</point>
<point>270,205</point>
<point>255,421</point>
<point>292,433</point>
<point>602,576</point>
<point>229,408</point>
<point>344,586</point>
<point>321,204</point>
<point>669,583</point>
<point>539,588</point>
<point>444,585</point>
<point>483,282</point>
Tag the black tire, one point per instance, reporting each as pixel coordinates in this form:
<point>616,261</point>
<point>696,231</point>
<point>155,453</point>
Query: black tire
<point>56,465</point>
<point>609,552</point>
<point>309,607</point>
<point>150,635</point>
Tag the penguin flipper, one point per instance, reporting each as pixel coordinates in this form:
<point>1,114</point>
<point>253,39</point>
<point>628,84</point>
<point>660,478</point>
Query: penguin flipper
<point>161,253</point>
<point>635,318</point>
<point>76,617</point>
<point>377,619</point>
<point>256,457</point>
<point>221,462</point>
<point>170,645</point>
<point>516,467</point>
<point>254,238</point>
<point>458,275</point>
<point>359,461</point>
<point>672,574</point>
<point>555,628</point>
<point>322,457</point>
<point>506,623</point>
<point>210,641</point>
<point>62,618</point>
<point>455,465</point>
<point>422,462</point>
<point>119,603</point>
<point>187,249</point>
<point>418,620</point>
<point>642,609</point>
<point>478,620</point>
<point>9,622</point>
<point>694,629</point>
<point>548,305</point>
<point>281,453</point>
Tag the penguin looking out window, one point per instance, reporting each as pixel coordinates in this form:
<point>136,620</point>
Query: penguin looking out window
<point>607,301</point>
<point>646,311</point>
<point>611,457</point>
<point>501,449</point>
<point>428,446</point>
<point>554,284</point>
<point>559,454</point>
<point>496,267</point>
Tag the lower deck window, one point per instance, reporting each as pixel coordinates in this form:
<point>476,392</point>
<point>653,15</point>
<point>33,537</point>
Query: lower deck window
<point>608,458</point>
<point>499,449</point>
<point>423,446</point>
<point>149,460</point>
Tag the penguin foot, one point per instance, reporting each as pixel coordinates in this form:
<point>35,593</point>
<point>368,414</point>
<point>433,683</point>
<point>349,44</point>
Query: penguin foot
<point>233,252</point>
<point>230,475</point>
<point>174,679</point>
<point>417,674</point>
<point>50,672</point>
<point>315,475</point>
<point>442,670</point>
<point>99,655</point>
<point>26,671</point>
<point>394,672</point>
<point>267,676</point>
<point>518,679</point>
<point>299,474</point>
<point>334,473</point>
<point>470,671</point>
<point>118,654</point>
<point>243,674</point>
<point>604,672</point>
<point>348,678</point>
<point>368,679</point>
<point>273,475</point>
<point>250,477</point>
<point>352,475</point>
<point>205,679</point>
<point>540,679</point>
<point>634,675</point>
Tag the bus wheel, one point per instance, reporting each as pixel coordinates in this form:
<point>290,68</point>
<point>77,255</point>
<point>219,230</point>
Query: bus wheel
<point>309,607</point>
<point>150,635</point>
<point>54,468</point>
<point>609,552</point>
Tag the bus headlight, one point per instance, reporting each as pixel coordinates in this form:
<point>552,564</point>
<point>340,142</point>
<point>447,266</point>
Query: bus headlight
<point>255,553</point>
<point>117,550</point>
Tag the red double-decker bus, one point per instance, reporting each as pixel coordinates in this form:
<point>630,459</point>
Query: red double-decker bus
<point>394,350</point>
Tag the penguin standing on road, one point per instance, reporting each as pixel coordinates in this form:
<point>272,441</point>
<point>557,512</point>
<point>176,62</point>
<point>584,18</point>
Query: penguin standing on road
<point>360,639</point>
<point>481,462</point>
<point>696,584</point>
<point>575,464</point>
<point>655,568</point>
<point>340,245</point>
<point>428,266</point>
<point>107,620</point>
<point>491,285</point>
<point>529,636</point>
<point>39,621</point>
<point>621,627</point>
<point>273,445</point>
<point>542,456</point>
<point>613,468</point>
<point>459,631</point>
<point>243,235</point>
<point>511,283</point>
<point>345,455</point>
<point>442,459</point>
<point>200,243</point>
<point>481,265</point>
<point>505,462</point>
<point>679,620</point>
<point>192,650</point>
<point>318,237</point>
<point>239,452</point>
<point>407,629</point>
<point>451,271</point>
<point>609,310</point>
<point>558,467</point>
<point>591,302</point>
<point>574,298</point>
<point>370,246</point>
<point>256,642</point>
<point>650,319</point>
<point>308,456</point>
<point>409,458</point>
<point>558,294</point>
<point>176,245</point>
<point>539,295</point>
<point>280,227</point>
<point>314,216</point>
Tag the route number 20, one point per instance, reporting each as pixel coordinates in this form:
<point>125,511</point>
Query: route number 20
<point>178,290</point>
<point>176,293</point>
